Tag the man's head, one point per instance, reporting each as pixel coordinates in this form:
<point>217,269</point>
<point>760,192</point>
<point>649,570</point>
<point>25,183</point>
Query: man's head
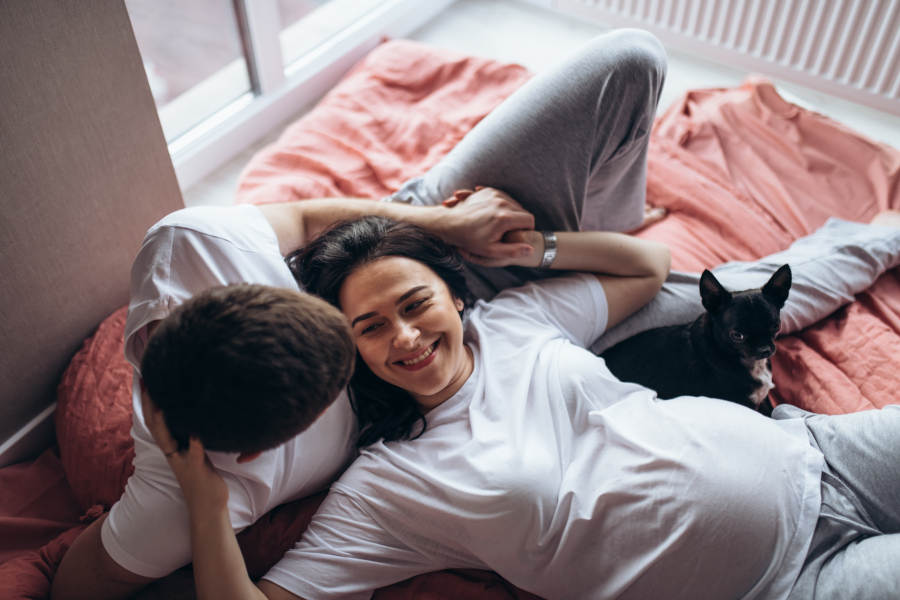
<point>245,368</point>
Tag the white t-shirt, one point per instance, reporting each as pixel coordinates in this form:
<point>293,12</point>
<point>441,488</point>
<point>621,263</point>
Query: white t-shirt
<point>567,482</point>
<point>147,531</point>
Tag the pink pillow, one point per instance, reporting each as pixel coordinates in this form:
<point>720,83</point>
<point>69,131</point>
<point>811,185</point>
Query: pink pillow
<point>93,417</point>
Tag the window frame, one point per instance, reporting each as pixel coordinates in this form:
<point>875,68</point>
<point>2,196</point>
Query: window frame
<point>276,96</point>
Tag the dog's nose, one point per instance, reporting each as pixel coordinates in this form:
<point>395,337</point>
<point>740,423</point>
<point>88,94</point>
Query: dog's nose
<point>765,352</point>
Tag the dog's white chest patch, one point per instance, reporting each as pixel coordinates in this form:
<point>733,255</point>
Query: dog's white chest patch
<point>763,375</point>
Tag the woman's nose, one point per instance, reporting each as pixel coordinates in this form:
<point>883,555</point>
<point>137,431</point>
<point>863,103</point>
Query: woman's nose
<point>407,336</point>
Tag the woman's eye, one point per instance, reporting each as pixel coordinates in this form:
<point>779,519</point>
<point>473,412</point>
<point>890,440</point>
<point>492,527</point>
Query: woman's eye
<point>415,304</point>
<point>370,328</point>
<point>737,336</point>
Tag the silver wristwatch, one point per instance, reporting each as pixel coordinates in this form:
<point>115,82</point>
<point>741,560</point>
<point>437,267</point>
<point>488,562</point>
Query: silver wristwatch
<point>549,249</point>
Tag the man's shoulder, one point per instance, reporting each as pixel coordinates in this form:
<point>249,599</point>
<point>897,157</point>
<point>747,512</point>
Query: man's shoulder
<point>242,226</point>
<point>194,249</point>
<point>205,246</point>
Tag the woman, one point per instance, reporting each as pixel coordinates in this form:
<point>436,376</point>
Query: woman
<point>515,449</point>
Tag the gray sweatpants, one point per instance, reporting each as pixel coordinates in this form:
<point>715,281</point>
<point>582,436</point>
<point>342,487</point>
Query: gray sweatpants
<point>571,147</point>
<point>855,550</point>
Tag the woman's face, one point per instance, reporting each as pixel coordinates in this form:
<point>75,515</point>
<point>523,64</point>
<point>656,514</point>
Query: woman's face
<point>407,328</point>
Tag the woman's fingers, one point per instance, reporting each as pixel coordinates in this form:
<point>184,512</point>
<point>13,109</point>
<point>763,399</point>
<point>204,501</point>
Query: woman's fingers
<point>505,253</point>
<point>484,261</point>
<point>202,486</point>
<point>458,196</point>
<point>196,455</point>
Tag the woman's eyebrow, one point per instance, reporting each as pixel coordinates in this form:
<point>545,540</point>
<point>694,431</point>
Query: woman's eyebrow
<point>362,318</point>
<point>400,300</point>
<point>406,296</point>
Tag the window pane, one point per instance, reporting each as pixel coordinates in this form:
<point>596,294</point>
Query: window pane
<point>306,24</point>
<point>193,56</point>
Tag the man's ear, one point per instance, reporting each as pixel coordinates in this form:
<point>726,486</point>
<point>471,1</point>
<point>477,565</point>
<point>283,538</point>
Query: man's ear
<point>779,286</point>
<point>156,422</point>
<point>148,407</point>
<point>245,458</point>
<point>713,295</point>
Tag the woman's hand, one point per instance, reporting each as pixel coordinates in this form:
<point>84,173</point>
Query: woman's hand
<point>202,486</point>
<point>533,239</point>
<point>478,221</point>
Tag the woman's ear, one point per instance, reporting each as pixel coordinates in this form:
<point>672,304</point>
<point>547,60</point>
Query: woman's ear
<point>459,304</point>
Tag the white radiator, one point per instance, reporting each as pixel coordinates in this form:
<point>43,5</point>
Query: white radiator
<point>846,48</point>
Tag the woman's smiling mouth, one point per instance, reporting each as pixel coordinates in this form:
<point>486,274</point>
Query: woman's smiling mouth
<point>421,360</point>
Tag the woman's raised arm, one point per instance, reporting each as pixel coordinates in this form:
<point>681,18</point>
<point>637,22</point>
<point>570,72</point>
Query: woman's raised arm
<point>219,569</point>
<point>631,270</point>
<point>477,224</point>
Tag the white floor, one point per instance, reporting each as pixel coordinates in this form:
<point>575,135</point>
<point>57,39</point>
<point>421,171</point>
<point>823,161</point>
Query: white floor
<point>510,31</point>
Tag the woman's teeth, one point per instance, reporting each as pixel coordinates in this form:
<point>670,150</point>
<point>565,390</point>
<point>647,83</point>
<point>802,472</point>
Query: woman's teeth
<point>420,357</point>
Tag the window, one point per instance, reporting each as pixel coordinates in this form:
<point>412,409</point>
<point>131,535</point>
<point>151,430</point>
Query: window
<point>307,24</point>
<point>193,57</point>
<point>224,73</point>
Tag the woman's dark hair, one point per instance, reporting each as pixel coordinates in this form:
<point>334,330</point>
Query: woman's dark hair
<point>385,411</point>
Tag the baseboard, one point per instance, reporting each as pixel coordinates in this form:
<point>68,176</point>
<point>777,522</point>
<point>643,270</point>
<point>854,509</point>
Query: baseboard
<point>38,435</point>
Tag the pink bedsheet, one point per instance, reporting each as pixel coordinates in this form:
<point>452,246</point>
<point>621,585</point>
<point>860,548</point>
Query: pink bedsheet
<point>741,171</point>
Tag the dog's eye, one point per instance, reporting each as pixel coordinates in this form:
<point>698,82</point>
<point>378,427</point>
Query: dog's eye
<point>776,327</point>
<point>737,336</point>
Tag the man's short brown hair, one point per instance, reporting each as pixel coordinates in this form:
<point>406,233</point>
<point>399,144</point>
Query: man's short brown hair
<point>245,368</point>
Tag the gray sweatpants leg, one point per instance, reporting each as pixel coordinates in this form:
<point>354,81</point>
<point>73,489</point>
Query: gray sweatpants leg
<point>570,145</point>
<point>855,550</point>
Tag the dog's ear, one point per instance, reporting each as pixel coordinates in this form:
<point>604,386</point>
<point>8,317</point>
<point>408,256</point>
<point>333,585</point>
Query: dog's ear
<point>713,295</point>
<point>778,286</point>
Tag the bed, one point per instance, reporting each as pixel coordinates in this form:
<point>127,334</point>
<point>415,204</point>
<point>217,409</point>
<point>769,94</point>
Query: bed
<point>741,172</point>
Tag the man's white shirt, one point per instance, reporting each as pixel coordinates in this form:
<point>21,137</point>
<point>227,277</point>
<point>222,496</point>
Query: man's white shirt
<point>147,531</point>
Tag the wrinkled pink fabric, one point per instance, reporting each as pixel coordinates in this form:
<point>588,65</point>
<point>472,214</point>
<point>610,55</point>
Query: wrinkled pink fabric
<point>741,171</point>
<point>395,115</point>
<point>780,170</point>
<point>36,505</point>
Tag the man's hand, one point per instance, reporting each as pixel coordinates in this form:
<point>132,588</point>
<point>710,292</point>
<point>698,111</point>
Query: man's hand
<point>478,221</point>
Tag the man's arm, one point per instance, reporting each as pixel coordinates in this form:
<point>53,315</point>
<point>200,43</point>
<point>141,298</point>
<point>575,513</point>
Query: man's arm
<point>476,223</point>
<point>88,571</point>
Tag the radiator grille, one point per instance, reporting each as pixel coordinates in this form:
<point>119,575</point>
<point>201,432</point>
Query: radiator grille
<point>848,48</point>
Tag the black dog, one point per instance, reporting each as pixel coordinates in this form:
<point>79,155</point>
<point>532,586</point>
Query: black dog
<point>723,354</point>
